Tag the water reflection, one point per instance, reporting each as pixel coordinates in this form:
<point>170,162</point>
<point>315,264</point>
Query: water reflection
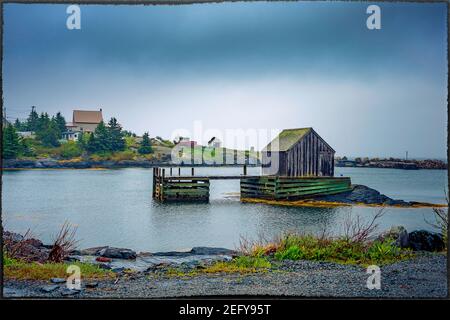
<point>114,207</point>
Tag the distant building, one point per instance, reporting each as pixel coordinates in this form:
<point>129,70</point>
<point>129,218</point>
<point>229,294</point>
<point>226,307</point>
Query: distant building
<point>214,143</point>
<point>26,134</point>
<point>82,121</point>
<point>298,152</point>
<point>187,142</point>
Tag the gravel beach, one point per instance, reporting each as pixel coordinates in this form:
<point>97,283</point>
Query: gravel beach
<point>422,277</point>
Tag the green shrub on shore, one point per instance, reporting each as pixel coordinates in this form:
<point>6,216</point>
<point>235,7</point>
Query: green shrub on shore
<point>307,247</point>
<point>124,155</point>
<point>70,149</point>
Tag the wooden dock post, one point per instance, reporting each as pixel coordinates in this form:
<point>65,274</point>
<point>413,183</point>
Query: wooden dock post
<point>170,171</point>
<point>179,171</point>
<point>245,169</point>
<point>192,171</point>
<point>153,182</point>
<point>162,184</point>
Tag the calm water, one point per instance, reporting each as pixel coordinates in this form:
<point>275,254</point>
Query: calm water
<point>114,207</point>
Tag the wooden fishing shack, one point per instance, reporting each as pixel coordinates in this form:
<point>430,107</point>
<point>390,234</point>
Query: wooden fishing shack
<point>297,164</point>
<point>298,153</point>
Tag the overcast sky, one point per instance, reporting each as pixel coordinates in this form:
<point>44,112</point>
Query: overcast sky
<point>240,66</point>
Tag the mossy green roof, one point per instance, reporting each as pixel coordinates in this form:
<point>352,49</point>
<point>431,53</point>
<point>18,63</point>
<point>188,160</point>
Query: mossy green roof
<point>287,139</point>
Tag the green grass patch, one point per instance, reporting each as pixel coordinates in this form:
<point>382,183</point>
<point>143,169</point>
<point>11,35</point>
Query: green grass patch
<point>299,247</point>
<point>17,269</point>
<point>241,264</point>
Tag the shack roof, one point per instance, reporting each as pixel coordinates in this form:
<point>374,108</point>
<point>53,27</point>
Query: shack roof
<point>288,138</point>
<point>85,116</point>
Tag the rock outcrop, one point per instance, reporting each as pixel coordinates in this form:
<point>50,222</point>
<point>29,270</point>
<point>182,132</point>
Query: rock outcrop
<point>422,240</point>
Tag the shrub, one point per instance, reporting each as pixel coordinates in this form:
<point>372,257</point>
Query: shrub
<point>101,156</point>
<point>124,155</point>
<point>291,253</point>
<point>70,149</point>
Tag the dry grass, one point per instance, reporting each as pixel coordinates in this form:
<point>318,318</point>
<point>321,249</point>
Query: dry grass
<point>441,220</point>
<point>358,230</point>
<point>63,244</point>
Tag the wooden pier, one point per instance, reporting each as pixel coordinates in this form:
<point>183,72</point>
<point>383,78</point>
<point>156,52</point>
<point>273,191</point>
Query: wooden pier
<point>178,188</point>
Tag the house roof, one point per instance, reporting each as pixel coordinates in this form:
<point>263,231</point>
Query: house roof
<point>85,116</point>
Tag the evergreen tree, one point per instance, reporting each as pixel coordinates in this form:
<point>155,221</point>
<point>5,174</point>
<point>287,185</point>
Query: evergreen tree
<point>92,145</point>
<point>83,140</point>
<point>50,135</point>
<point>32,121</point>
<point>11,146</point>
<point>102,138</point>
<point>145,146</point>
<point>61,122</point>
<point>17,125</point>
<point>42,123</point>
<point>25,148</point>
<point>117,141</point>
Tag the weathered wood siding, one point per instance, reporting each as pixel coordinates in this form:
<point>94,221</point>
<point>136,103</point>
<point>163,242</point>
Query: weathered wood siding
<point>311,156</point>
<point>292,188</point>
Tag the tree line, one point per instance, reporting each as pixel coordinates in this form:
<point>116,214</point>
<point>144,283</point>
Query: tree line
<point>49,132</point>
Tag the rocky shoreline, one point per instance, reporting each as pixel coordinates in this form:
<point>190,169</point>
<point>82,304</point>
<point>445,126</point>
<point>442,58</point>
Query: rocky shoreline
<point>422,277</point>
<point>358,195</point>
<point>13,164</point>
<point>361,194</point>
<point>147,275</point>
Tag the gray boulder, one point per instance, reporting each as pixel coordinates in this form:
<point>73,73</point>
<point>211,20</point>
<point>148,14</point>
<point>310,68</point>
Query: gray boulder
<point>212,251</point>
<point>399,234</point>
<point>422,240</point>
<point>90,251</point>
<point>117,253</point>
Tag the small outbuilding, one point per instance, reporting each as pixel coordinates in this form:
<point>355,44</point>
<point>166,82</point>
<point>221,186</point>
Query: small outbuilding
<point>298,153</point>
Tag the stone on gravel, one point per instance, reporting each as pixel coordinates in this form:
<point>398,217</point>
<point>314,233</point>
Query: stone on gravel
<point>105,266</point>
<point>91,251</point>
<point>212,251</point>
<point>118,270</point>
<point>57,280</point>
<point>399,234</point>
<point>70,292</point>
<point>91,285</point>
<point>49,288</point>
<point>117,253</point>
<point>422,240</point>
